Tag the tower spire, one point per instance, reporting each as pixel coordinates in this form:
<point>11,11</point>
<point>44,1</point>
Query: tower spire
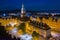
<point>23,11</point>
<point>22,5</point>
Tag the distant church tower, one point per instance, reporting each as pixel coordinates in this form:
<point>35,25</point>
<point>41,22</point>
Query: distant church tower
<point>23,12</point>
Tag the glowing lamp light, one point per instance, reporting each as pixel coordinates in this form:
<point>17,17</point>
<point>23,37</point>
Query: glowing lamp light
<point>26,37</point>
<point>13,31</point>
<point>53,14</point>
<point>55,34</point>
<point>4,14</point>
<point>12,23</point>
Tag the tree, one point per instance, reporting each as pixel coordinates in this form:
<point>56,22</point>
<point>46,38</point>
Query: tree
<point>35,34</point>
<point>22,27</point>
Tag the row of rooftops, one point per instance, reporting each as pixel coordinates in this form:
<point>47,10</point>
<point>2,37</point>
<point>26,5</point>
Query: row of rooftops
<point>40,25</point>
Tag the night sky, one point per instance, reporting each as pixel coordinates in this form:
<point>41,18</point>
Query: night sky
<point>30,4</point>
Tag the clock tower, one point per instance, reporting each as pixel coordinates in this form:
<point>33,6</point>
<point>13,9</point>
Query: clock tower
<point>23,12</point>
